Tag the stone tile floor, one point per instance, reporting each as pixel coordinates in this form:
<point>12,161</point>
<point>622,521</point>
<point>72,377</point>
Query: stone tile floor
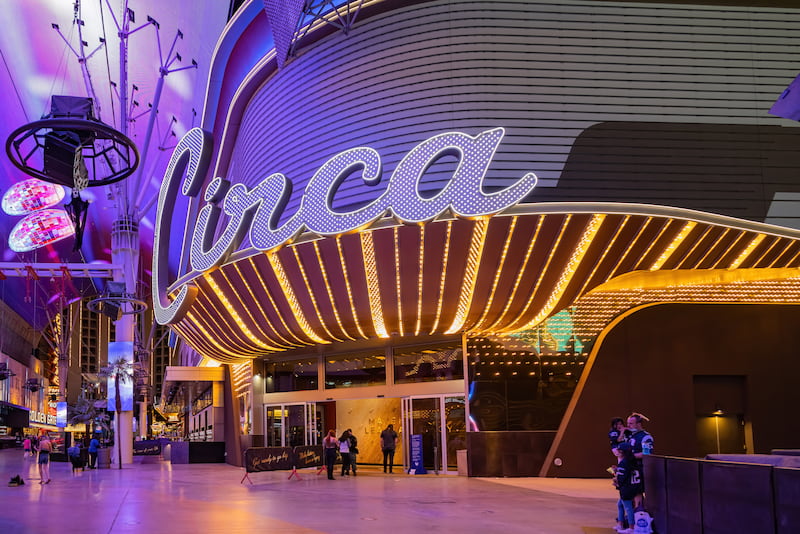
<point>155,497</point>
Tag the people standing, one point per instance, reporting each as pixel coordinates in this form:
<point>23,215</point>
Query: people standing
<point>641,443</point>
<point>388,445</point>
<point>640,440</point>
<point>45,448</point>
<point>330,445</point>
<point>353,450</point>
<point>628,480</point>
<point>26,446</point>
<point>618,433</point>
<point>94,445</point>
<point>74,454</point>
<point>344,452</point>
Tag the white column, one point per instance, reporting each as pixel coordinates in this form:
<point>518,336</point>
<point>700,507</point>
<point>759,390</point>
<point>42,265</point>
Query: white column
<point>125,252</point>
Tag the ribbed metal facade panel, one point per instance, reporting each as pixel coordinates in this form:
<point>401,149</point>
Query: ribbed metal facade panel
<point>547,72</point>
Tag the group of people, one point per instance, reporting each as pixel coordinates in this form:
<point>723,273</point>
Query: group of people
<point>629,443</point>
<point>346,446</point>
<point>44,447</point>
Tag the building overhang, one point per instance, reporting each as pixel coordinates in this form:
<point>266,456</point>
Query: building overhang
<point>450,276</point>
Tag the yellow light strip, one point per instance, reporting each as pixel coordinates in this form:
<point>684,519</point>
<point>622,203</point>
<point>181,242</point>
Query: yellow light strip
<point>569,271</point>
<point>712,248</point>
<point>653,242</point>
<point>240,336</point>
<point>373,286</point>
<point>247,309</point>
<point>397,281</point>
<point>683,263</point>
<point>262,313</point>
<point>470,275</point>
<point>328,289</point>
<point>272,302</point>
<point>420,278</point>
<point>730,247</point>
<point>291,298</point>
<point>747,251</point>
<point>793,259</point>
<point>599,262</point>
<point>612,272</point>
<point>765,253</point>
<point>497,273</point>
<point>445,258</point>
<point>347,286</point>
<point>781,253</point>
<point>515,324</point>
<point>673,246</point>
<point>208,337</point>
<point>520,272</point>
<point>312,295</point>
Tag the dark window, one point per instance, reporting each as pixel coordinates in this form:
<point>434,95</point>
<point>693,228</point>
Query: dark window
<point>291,375</point>
<point>352,370</point>
<point>428,363</point>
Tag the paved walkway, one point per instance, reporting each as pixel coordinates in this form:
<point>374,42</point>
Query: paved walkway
<point>156,497</point>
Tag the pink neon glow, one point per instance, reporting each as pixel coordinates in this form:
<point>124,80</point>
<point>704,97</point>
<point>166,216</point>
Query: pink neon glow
<point>31,195</point>
<point>39,229</point>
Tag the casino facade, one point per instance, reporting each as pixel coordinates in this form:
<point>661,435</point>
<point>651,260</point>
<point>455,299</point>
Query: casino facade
<point>492,224</point>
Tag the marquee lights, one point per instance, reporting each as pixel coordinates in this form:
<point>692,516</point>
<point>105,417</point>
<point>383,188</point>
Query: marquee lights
<point>255,212</point>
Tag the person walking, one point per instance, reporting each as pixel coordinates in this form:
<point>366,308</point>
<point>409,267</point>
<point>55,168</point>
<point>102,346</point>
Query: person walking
<point>330,445</point>
<point>26,446</point>
<point>45,448</point>
<point>94,446</point>
<point>388,445</point>
<point>353,450</point>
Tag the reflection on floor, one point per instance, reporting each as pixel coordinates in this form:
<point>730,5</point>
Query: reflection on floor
<point>156,497</point>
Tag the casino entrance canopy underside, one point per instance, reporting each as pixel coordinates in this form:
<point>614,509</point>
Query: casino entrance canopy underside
<point>493,275</point>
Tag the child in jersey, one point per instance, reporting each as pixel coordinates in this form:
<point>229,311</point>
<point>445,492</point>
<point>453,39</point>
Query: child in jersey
<point>628,480</point>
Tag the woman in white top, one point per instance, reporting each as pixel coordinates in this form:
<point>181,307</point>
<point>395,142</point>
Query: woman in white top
<point>344,451</point>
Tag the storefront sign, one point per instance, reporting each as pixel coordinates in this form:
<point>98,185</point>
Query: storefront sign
<point>255,212</point>
<point>41,418</point>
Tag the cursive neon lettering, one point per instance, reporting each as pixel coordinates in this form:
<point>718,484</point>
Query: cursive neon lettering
<point>255,212</point>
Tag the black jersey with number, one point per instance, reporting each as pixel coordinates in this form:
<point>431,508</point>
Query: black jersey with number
<point>629,479</point>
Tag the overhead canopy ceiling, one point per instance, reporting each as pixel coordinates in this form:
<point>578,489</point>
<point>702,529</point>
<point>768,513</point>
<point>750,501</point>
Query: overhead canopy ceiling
<point>40,61</point>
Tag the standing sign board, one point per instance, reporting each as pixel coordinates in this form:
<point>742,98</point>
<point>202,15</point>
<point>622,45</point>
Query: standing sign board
<point>417,465</point>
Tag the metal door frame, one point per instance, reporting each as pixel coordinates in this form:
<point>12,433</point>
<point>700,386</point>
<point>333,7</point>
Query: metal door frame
<point>309,420</point>
<point>406,411</point>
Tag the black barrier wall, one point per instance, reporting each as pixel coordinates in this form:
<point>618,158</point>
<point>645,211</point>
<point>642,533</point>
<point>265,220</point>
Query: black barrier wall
<point>696,496</point>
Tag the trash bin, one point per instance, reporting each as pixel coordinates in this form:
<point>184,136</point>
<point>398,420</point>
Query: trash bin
<point>461,462</point>
<point>104,458</point>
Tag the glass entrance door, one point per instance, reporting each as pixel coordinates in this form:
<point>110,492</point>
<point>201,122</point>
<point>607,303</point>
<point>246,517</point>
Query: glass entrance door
<point>290,425</point>
<point>440,421</point>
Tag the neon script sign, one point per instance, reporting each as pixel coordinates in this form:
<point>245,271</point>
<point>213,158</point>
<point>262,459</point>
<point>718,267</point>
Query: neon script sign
<point>255,212</point>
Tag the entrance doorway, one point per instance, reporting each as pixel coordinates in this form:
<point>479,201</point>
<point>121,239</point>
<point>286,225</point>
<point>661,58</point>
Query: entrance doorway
<point>441,422</point>
<point>292,425</point>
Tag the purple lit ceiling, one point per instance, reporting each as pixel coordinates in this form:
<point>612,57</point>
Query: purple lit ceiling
<point>38,63</point>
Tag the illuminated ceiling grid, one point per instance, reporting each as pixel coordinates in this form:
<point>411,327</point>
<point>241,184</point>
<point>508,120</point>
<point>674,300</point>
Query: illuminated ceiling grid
<point>443,277</point>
